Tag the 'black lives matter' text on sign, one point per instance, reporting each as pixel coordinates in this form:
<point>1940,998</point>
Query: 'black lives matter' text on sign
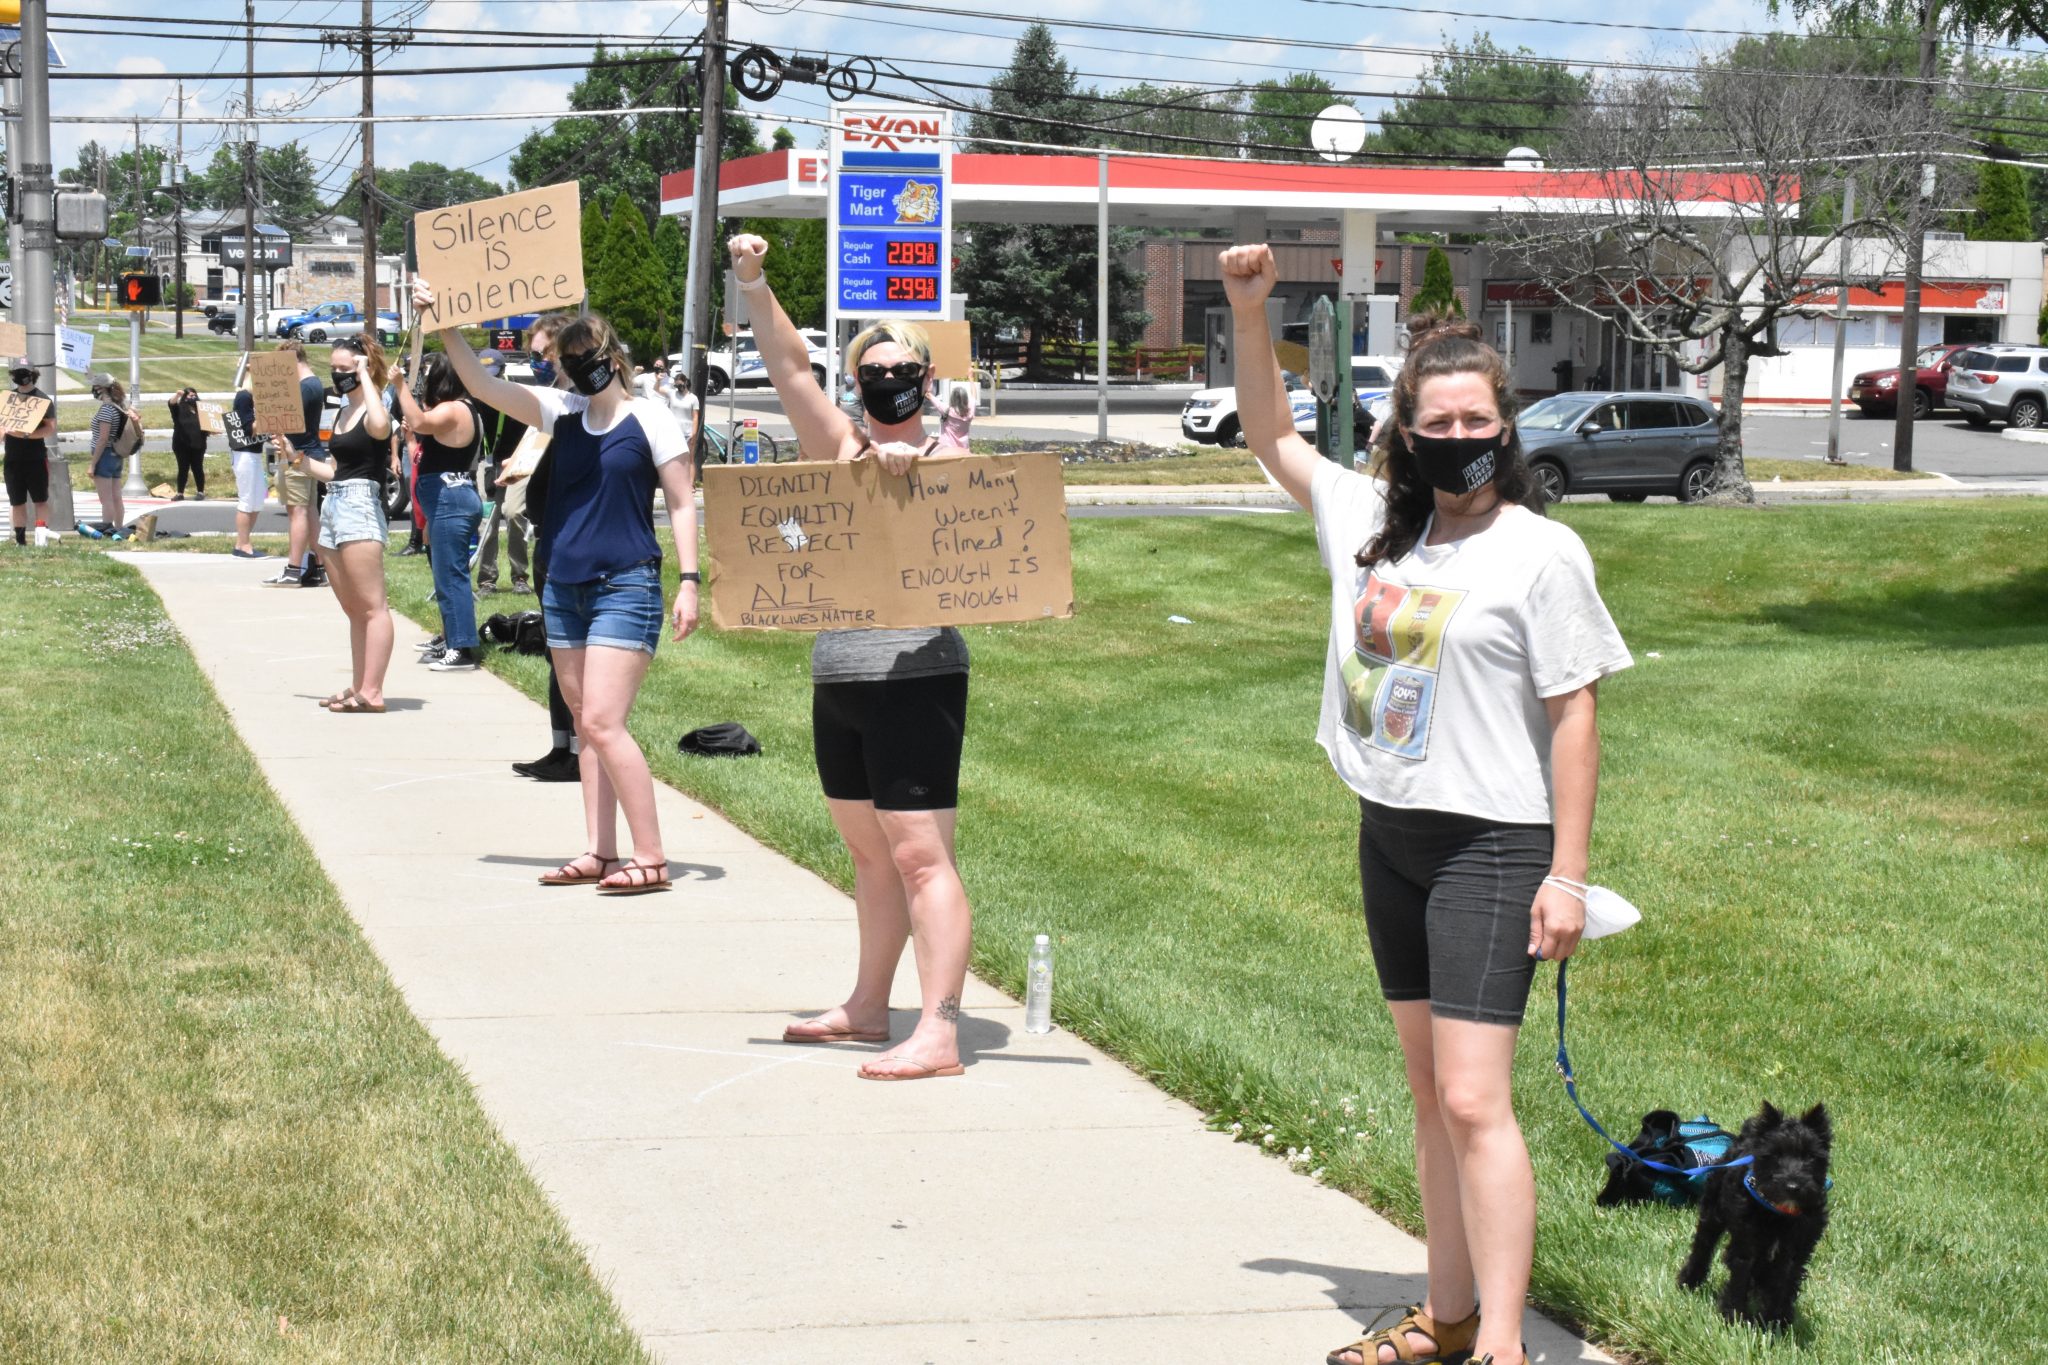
<point>959,540</point>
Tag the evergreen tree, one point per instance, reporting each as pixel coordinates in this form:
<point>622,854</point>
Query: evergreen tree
<point>672,254</point>
<point>1439,291</point>
<point>795,266</point>
<point>628,289</point>
<point>1478,102</point>
<point>595,228</point>
<point>2003,213</point>
<point>1040,278</point>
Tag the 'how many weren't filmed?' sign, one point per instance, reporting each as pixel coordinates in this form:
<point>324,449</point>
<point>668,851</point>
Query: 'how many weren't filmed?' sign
<point>959,540</point>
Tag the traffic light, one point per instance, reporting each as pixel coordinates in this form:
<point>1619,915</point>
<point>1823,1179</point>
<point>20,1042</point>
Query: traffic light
<point>142,291</point>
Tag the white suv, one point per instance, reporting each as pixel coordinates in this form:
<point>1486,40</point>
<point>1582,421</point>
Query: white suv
<point>1210,416</point>
<point>719,366</point>
<point>2000,383</point>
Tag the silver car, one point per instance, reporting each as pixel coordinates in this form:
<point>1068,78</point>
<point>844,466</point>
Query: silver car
<point>2000,383</point>
<point>1629,446</point>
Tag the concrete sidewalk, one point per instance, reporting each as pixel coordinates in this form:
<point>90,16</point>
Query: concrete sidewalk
<point>744,1200</point>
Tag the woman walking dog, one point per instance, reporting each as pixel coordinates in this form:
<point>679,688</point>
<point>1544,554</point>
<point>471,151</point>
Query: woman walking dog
<point>1466,640</point>
<point>888,713</point>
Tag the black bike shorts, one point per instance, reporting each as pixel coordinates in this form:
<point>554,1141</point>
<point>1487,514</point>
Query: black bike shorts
<point>1447,901</point>
<point>28,479</point>
<point>895,743</point>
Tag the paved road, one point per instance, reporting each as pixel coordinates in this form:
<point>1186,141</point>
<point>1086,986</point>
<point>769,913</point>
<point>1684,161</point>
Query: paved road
<point>1942,445</point>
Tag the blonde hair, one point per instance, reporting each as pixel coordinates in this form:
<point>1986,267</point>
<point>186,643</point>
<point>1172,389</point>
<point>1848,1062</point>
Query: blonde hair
<point>908,335</point>
<point>592,333</point>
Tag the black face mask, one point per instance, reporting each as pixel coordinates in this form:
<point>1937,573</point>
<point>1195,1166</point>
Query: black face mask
<point>1457,464</point>
<point>591,374</point>
<point>345,381</point>
<point>889,400</point>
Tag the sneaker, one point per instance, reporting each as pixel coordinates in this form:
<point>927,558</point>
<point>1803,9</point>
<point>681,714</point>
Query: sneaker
<point>487,589</point>
<point>248,554</point>
<point>287,577</point>
<point>313,580</point>
<point>457,661</point>
<point>433,649</point>
<point>522,587</point>
<point>558,765</point>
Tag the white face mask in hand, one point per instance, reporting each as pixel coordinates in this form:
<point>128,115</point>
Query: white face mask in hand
<point>1607,913</point>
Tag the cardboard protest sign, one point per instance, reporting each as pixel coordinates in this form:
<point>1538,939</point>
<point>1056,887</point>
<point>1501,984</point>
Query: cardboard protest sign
<point>21,413</point>
<point>952,350</point>
<point>13,339</point>
<point>521,253</point>
<point>959,540</point>
<point>211,419</point>
<point>274,384</point>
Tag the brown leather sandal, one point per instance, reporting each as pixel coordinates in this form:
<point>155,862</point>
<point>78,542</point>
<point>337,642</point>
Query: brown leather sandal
<point>1453,1340</point>
<point>567,875</point>
<point>640,879</point>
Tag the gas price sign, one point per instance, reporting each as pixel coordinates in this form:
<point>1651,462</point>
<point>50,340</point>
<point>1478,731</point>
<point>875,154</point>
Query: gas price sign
<point>892,229</point>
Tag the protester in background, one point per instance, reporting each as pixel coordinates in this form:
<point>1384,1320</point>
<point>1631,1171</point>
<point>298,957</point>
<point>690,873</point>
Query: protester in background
<point>451,443</point>
<point>352,524</point>
<point>245,458</point>
<point>502,436</point>
<point>28,460</point>
<point>297,489</point>
<point>603,598</point>
<point>1466,640</point>
<point>107,472</point>
<point>527,493</point>
<point>188,442</point>
<point>681,401</point>
<point>888,712</point>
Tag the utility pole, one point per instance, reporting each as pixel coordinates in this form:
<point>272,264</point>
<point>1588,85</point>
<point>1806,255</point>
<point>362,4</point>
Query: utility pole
<point>248,338</point>
<point>1916,257</point>
<point>10,97</point>
<point>1841,324</point>
<point>365,41</point>
<point>178,224</point>
<point>35,288</point>
<point>704,216</point>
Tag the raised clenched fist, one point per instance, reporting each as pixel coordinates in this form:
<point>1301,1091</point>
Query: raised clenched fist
<point>748,252</point>
<point>1248,275</point>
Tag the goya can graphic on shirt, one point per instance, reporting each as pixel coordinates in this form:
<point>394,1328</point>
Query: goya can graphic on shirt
<point>1391,675</point>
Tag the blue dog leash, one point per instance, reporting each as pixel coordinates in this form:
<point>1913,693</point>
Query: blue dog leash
<point>1571,1088</point>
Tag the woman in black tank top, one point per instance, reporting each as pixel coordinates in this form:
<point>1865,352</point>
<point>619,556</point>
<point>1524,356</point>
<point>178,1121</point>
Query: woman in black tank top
<point>352,523</point>
<point>451,438</point>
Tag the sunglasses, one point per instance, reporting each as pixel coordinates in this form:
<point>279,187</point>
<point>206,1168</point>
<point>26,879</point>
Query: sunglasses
<point>354,344</point>
<point>906,369</point>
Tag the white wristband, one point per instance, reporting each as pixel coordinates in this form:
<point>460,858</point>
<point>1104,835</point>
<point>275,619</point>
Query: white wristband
<point>759,282</point>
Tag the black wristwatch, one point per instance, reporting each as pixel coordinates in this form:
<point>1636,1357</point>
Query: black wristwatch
<point>691,576</point>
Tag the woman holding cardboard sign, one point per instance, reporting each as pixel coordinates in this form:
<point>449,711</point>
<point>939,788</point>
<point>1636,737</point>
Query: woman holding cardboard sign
<point>352,528</point>
<point>888,712</point>
<point>608,451</point>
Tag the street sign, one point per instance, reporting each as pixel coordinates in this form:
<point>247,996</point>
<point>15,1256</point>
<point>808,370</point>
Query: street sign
<point>1322,350</point>
<point>890,252</point>
<point>140,292</point>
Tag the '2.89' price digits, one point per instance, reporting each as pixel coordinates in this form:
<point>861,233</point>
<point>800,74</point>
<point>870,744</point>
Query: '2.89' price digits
<point>912,289</point>
<point>913,253</point>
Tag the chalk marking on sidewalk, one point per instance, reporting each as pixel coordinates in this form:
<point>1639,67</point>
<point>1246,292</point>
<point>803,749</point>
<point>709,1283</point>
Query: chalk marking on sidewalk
<point>437,777</point>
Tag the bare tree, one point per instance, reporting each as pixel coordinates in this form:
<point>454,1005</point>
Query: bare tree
<point>1715,208</point>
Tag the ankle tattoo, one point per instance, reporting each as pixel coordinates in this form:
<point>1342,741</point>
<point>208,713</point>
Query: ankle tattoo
<point>949,1009</point>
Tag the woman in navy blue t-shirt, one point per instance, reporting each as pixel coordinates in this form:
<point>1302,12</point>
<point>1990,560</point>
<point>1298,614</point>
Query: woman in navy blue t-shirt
<point>603,601</point>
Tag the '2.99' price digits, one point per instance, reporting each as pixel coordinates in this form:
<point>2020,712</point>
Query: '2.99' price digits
<point>912,289</point>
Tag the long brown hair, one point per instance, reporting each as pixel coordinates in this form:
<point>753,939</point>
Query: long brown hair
<point>1439,345</point>
<point>376,367</point>
<point>590,332</point>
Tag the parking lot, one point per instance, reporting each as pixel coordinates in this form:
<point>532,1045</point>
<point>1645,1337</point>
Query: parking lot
<point>1942,444</point>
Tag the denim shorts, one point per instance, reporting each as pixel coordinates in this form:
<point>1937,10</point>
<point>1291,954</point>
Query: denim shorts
<point>108,466</point>
<point>621,610</point>
<point>354,510</point>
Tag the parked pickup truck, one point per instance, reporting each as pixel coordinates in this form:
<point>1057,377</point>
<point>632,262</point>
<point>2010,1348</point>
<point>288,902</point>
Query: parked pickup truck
<point>331,320</point>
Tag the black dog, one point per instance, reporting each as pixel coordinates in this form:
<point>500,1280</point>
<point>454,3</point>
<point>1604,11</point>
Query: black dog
<point>1773,1213</point>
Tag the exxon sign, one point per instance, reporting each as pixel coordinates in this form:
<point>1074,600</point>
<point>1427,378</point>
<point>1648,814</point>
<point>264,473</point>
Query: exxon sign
<point>875,129</point>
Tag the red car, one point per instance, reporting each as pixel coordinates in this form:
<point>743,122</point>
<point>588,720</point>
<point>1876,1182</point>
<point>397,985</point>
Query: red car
<point>1876,392</point>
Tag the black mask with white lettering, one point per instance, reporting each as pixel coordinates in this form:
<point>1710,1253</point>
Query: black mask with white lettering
<point>1457,464</point>
<point>345,381</point>
<point>889,400</point>
<point>591,373</point>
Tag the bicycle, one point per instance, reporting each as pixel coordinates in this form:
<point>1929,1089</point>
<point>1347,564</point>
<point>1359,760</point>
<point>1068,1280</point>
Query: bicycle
<point>723,447</point>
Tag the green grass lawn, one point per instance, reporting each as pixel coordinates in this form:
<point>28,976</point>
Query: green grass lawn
<point>1825,790</point>
<point>223,1138</point>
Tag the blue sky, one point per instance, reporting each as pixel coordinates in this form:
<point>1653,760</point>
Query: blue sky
<point>1106,59</point>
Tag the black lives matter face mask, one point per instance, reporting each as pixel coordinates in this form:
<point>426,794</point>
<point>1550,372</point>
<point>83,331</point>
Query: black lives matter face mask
<point>345,381</point>
<point>889,400</point>
<point>1457,464</point>
<point>591,374</point>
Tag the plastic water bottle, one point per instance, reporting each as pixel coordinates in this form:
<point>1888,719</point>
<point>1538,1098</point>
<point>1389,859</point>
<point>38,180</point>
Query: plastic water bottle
<point>1038,987</point>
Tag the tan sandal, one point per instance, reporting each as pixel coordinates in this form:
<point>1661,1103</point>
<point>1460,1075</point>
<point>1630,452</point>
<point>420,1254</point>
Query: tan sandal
<point>1452,1341</point>
<point>567,875</point>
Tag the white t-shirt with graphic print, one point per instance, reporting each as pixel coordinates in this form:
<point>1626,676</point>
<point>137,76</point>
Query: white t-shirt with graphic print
<point>1439,662</point>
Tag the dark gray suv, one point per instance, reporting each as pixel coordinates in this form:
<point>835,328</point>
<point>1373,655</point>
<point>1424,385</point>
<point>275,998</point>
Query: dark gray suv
<point>1629,446</point>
